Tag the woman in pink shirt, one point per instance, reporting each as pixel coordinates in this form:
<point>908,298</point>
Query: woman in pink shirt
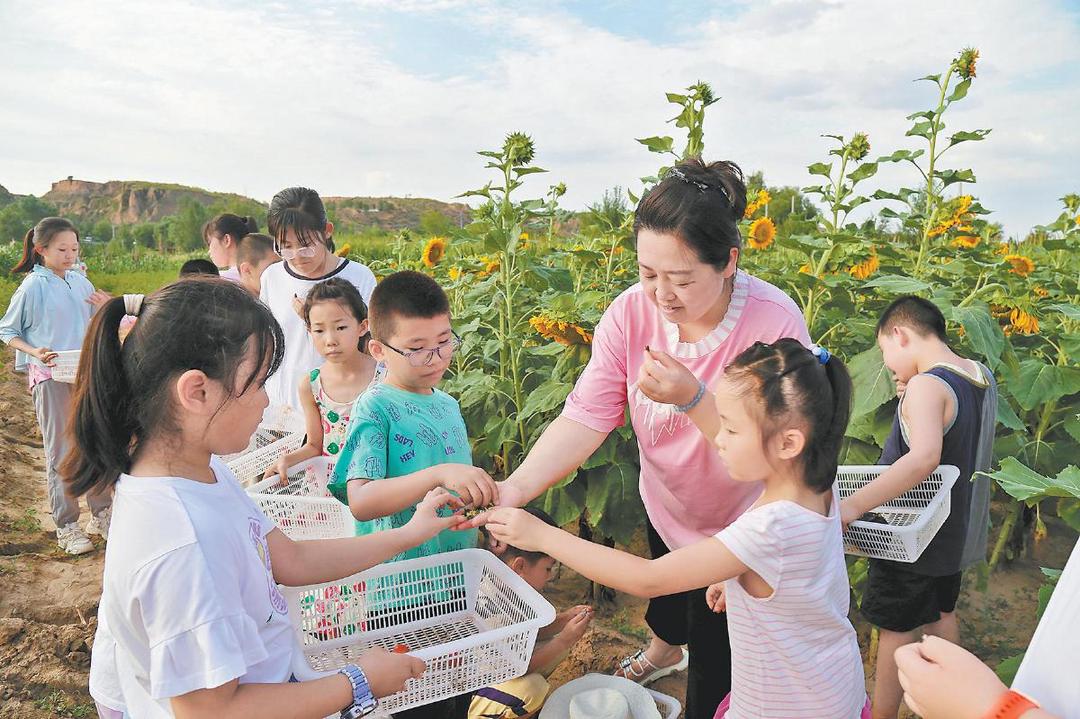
<point>657,349</point>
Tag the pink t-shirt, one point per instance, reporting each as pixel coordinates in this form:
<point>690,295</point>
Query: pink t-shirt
<point>794,654</point>
<point>231,274</point>
<point>685,487</point>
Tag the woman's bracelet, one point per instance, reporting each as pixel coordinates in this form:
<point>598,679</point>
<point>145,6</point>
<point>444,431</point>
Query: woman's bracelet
<point>1011,705</point>
<point>684,408</point>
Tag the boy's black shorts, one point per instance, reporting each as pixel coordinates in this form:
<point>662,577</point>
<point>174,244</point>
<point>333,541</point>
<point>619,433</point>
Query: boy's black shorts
<point>902,601</point>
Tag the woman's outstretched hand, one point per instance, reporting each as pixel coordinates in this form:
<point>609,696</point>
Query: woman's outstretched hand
<point>514,527</point>
<point>662,378</point>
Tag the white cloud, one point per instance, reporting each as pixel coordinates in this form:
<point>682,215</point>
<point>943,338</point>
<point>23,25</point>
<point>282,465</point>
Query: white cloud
<point>255,98</point>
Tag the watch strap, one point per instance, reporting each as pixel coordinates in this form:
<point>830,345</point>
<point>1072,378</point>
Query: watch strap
<point>1011,705</point>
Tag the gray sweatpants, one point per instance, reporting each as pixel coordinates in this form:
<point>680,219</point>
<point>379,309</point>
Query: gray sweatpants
<point>52,403</point>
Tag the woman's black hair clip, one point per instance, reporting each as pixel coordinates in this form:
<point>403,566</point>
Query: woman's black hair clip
<point>703,186</point>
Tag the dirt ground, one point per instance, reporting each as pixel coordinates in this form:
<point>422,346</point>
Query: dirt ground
<point>48,600</point>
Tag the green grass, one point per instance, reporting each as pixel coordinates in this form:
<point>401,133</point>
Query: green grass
<point>59,705</point>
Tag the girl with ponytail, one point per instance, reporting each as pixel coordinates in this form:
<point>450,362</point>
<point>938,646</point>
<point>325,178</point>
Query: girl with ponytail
<point>191,622</point>
<point>49,313</point>
<point>222,235</point>
<point>778,570</point>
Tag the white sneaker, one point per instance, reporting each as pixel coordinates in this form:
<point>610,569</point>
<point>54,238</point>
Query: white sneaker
<point>73,540</point>
<point>99,523</point>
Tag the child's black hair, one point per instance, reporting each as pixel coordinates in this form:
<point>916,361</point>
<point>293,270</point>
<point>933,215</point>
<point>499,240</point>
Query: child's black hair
<point>40,235</point>
<point>344,293</point>
<point>123,394</point>
<point>913,312</point>
<point>405,294</point>
<point>301,210</point>
<point>253,248</point>
<point>199,266</point>
<point>512,551</point>
<point>229,224</point>
<point>789,380</point>
<point>699,203</point>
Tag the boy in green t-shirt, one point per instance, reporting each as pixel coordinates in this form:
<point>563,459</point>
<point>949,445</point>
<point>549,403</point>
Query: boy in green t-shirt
<point>405,429</point>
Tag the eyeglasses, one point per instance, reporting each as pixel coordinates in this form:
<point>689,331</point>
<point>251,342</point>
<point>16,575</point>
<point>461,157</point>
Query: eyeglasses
<point>289,254</point>
<point>422,358</point>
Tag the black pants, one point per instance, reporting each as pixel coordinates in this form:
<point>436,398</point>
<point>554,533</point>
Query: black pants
<point>685,619</point>
<point>453,708</point>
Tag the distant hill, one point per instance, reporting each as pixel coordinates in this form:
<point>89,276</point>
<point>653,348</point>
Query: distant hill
<point>6,198</point>
<point>134,202</point>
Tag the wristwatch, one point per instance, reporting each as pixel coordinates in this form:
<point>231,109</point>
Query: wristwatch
<point>364,702</point>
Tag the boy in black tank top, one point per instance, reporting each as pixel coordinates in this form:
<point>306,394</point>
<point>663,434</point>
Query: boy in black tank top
<point>945,415</point>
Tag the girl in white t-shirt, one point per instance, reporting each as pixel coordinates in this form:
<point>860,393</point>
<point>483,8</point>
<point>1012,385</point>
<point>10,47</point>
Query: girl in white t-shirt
<point>304,239</point>
<point>191,622</point>
<point>779,568</point>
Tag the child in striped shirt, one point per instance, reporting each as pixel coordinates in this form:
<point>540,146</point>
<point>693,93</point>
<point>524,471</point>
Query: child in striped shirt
<point>778,570</point>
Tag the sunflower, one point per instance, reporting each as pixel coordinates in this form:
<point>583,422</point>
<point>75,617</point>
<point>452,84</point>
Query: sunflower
<point>1042,292</point>
<point>806,269</point>
<point>953,215</point>
<point>491,265</point>
<point>454,273</point>
<point>762,233</point>
<point>867,267</point>
<point>1021,265</point>
<point>434,251</point>
<point>565,333</point>
<point>763,198</point>
<point>1023,322</point>
<point>968,241</point>
<point>859,147</point>
<point>965,64</point>
<point>343,251</point>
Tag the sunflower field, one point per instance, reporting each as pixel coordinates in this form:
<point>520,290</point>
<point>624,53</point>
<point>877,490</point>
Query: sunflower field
<point>528,284</point>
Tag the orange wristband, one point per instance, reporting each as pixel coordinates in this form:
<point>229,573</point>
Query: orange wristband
<point>1011,705</point>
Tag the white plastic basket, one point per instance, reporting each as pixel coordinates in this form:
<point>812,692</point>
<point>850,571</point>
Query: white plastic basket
<point>669,706</point>
<point>305,479</point>
<point>307,517</point>
<point>465,613</point>
<point>281,431</point>
<point>909,522</point>
<point>65,366</point>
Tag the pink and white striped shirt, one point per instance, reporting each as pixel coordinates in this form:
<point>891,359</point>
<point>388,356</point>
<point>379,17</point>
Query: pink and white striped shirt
<point>794,654</point>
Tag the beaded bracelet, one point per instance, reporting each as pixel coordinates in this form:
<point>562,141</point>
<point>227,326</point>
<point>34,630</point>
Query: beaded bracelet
<point>684,408</point>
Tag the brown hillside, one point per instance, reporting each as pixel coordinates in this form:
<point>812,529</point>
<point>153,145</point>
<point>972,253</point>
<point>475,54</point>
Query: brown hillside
<point>123,202</point>
<point>390,213</point>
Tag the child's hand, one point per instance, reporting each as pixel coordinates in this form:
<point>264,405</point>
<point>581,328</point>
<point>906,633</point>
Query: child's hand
<point>46,355</point>
<point>99,298</point>
<point>849,513</point>
<point>386,672</point>
<point>901,386</point>
<point>515,527</point>
<point>715,599</point>
<point>426,522</point>
<point>662,378</point>
<point>575,627</point>
<point>475,486</point>
<point>280,468</point>
<point>943,681</point>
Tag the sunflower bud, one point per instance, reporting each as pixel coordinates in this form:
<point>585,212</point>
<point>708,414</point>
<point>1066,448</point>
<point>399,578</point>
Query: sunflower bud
<point>518,149</point>
<point>965,64</point>
<point>859,147</point>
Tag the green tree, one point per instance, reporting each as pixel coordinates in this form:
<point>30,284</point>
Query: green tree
<point>434,222</point>
<point>21,215</point>
<point>185,231</point>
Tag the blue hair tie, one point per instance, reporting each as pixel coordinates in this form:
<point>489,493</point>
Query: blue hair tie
<point>821,353</point>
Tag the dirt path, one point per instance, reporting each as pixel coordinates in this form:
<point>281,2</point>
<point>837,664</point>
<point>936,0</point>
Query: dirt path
<point>48,600</point>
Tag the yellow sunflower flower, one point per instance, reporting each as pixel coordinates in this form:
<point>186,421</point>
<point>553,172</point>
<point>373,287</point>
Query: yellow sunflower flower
<point>343,251</point>
<point>806,269</point>
<point>1042,292</point>
<point>968,241</point>
<point>763,198</point>
<point>1023,322</point>
<point>867,267</point>
<point>762,233</point>
<point>454,273</point>
<point>565,333</point>
<point>434,251</point>
<point>491,265</point>
<point>965,64</point>
<point>1021,265</point>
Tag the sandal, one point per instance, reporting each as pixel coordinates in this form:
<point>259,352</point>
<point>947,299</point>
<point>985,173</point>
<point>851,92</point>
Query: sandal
<point>639,668</point>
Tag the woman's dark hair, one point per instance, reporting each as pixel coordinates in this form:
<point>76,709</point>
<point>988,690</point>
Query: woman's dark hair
<point>790,381</point>
<point>199,266</point>
<point>122,397</point>
<point>344,293</point>
<point>231,225</point>
<point>39,236</point>
<point>301,210</point>
<point>699,203</point>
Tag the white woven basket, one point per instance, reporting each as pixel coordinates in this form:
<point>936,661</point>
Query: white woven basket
<point>65,366</point>
<point>466,614</point>
<point>281,431</point>
<point>909,522</point>
<point>307,517</point>
<point>669,706</point>
<point>305,479</point>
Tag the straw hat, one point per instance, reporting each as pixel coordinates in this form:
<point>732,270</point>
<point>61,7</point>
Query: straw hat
<point>599,696</point>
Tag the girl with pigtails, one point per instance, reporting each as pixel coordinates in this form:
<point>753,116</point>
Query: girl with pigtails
<point>191,622</point>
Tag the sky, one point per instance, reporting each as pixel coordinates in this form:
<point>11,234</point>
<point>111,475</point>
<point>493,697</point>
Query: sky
<point>394,97</point>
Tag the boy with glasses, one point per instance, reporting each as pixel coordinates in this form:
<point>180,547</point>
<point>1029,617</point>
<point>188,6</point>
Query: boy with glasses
<point>405,436</point>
